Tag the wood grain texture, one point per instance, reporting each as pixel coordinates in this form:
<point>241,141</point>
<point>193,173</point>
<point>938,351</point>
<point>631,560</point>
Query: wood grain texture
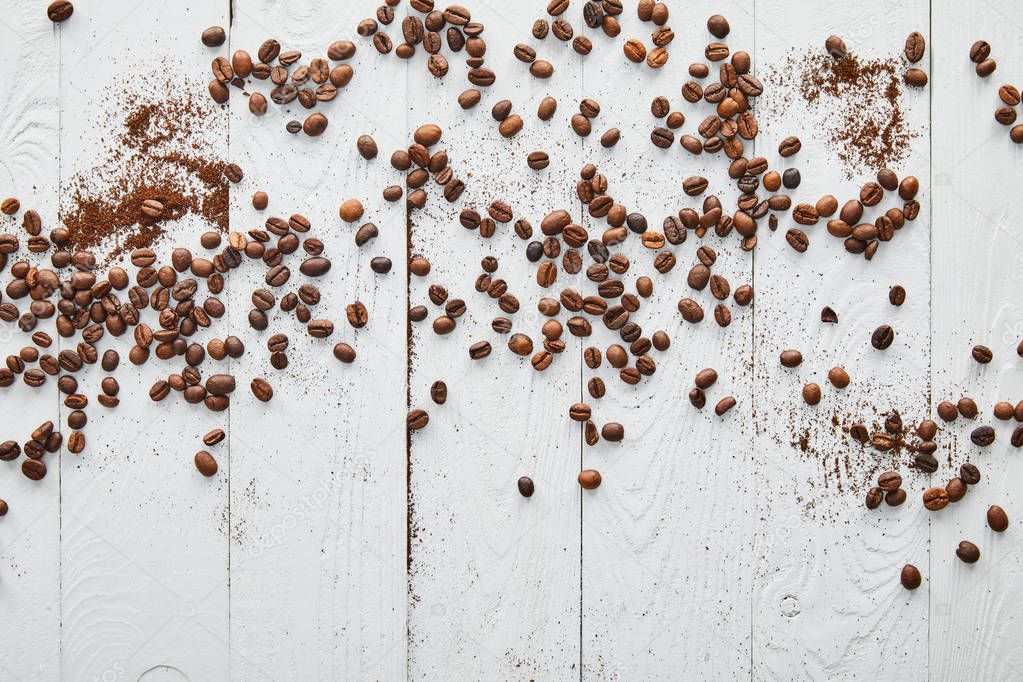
<point>494,577</point>
<point>30,532</point>
<point>975,251</point>
<point>318,490</point>
<point>726,547</point>
<point>827,601</point>
<point>144,556</point>
<point>676,492</point>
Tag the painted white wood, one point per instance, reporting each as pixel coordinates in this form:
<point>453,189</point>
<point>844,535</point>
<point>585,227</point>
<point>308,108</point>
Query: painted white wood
<point>30,532</point>
<point>494,583</point>
<point>318,588</point>
<point>675,498</point>
<point>827,602</point>
<point>144,537</point>
<point>975,251</point>
<point>714,544</point>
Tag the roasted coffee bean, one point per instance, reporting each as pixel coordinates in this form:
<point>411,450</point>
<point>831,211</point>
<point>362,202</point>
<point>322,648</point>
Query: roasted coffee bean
<point>910,577</point>
<point>791,358</point>
<point>479,350</point>
<point>968,552</point>
<point>969,473</point>
<point>982,354</point>
<point>724,405</point>
<point>889,480</point>
<point>947,411</point>
<point>935,498</point>
<point>61,10</point>
<point>983,436</point>
<point>874,498</point>
<point>997,519</point>
<point>838,377</point>
<point>882,337</point>
<point>797,239</point>
<point>926,462</point>
<point>956,490</point>
<point>811,393</point>
<point>205,463</point>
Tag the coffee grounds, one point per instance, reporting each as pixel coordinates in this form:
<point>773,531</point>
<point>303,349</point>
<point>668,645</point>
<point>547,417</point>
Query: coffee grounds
<point>857,103</point>
<point>158,154</point>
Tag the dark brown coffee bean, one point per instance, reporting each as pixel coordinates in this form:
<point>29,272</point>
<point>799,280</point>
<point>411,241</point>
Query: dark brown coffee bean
<point>982,354</point>
<point>997,519</point>
<point>791,358</point>
<point>983,436</point>
<point>935,498</point>
<point>969,473</point>
<point>874,498</point>
<point>61,10</point>
<point>205,463</point>
<point>797,239</point>
<point>724,405</point>
<point>882,337</point>
<point>910,577</point>
<point>968,552</point>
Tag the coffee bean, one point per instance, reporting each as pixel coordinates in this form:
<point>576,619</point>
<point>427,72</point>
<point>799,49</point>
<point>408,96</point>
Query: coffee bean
<point>791,358</point>
<point>205,463</point>
<point>790,146</point>
<point>314,125</point>
<point>612,432</point>
<point>835,47</point>
<point>986,68</point>
<point>724,405</point>
<point>926,462</point>
<point>894,498</point>
<point>882,337</point>
<point>935,498</point>
<point>874,498</point>
<point>811,393</point>
<point>910,577</point>
<point>525,485</point>
<point>33,469</point>
<point>914,48</point>
<point>982,354</point>
<point>797,239</point>
<point>968,552</point>
<point>828,315</point>
<point>916,78</point>
<point>61,10</point>
<point>691,310</point>
<point>997,519</point>
<point>417,419</point>
<point>538,160</point>
<point>479,350</point>
<point>983,436</point>
<point>889,480</point>
<point>589,479</point>
<point>969,473</point>
<point>838,377</point>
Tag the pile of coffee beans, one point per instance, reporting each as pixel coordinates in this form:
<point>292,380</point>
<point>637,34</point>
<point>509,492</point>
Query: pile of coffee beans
<point>310,84</point>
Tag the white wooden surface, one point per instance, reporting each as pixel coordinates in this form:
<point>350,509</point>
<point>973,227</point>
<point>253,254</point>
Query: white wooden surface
<point>713,546</point>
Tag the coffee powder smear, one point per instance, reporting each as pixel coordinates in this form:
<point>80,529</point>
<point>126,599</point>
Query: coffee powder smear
<point>856,102</point>
<point>159,151</point>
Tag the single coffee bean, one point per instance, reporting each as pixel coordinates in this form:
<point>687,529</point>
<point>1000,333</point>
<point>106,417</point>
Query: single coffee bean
<point>997,519</point>
<point>935,498</point>
<point>910,577</point>
<point>811,393</point>
<point>983,436</point>
<point>874,498</point>
<point>882,337</point>
<point>525,485</point>
<point>969,473</point>
<point>982,354</point>
<point>61,10</point>
<point>968,552</point>
<point>589,479</point>
<point>205,463</point>
<point>926,462</point>
<point>828,315</point>
<point>791,358</point>
<point>838,377</point>
<point>417,419</point>
<point>889,480</point>
<point>835,47</point>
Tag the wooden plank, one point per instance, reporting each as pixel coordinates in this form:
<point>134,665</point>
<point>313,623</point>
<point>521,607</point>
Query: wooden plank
<point>976,245</point>
<point>318,492</point>
<point>827,600</point>
<point>494,576</point>
<point>144,570</point>
<point>30,532</point>
<point>675,496</point>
